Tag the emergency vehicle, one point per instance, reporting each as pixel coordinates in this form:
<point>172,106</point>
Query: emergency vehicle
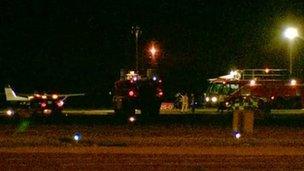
<point>134,91</point>
<point>262,89</point>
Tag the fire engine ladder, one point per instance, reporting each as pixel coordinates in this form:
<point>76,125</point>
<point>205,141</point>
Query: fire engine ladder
<point>264,74</point>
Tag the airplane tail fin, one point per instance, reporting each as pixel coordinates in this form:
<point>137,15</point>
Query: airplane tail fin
<point>11,95</point>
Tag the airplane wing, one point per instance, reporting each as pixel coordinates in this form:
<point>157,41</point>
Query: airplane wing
<point>24,95</point>
<point>65,96</point>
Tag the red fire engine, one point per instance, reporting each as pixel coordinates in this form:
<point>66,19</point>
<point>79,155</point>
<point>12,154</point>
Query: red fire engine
<point>263,89</point>
<point>133,91</point>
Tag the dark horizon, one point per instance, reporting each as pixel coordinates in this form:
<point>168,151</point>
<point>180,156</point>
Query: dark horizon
<point>81,47</point>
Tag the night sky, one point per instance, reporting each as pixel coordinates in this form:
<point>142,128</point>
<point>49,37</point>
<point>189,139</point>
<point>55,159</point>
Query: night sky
<point>80,46</point>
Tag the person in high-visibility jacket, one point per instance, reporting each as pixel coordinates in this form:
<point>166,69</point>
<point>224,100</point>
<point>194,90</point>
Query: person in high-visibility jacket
<point>185,102</point>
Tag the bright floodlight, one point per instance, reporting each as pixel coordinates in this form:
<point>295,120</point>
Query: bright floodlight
<point>291,33</point>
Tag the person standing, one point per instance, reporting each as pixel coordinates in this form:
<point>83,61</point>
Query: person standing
<point>178,101</point>
<point>185,102</point>
<point>192,103</point>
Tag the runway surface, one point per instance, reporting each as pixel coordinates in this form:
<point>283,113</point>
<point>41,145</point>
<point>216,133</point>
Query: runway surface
<point>175,141</point>
<point>207,111</point>
<point>151,159</point>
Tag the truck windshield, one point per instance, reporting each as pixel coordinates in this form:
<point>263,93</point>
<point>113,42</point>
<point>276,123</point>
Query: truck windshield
<point>224,89</point>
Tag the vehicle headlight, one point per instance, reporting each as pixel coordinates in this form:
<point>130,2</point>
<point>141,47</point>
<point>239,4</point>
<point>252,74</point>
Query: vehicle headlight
<point>293,82</point>
<point>252,83</point>
<point>207,99</point>
<point>47,111</point>
<point>214,99</point>
<point>132,119</point>
<point>9,112</point>
<point>55,96</point>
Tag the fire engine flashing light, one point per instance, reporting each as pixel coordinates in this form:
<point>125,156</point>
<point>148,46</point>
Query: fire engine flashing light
<point>132,76</point>
<point>252,82</point>
<point>293,82</point>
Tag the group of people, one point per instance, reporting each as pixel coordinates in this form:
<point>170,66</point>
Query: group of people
<point>183,101</point>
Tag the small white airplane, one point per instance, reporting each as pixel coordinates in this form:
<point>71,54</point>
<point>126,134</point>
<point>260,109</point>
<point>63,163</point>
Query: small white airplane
<point>11,95</point>
<point>37,103</point>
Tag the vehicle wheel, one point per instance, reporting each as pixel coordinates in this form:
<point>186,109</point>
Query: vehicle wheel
<point>16,117</point>
<point>154,110</point>
<point>118,112</point>
<point>56,116</point>
<point>280,103</point>
<point>124,112</point>
<point>264,110</point>
<point>151,110</point>
<point>296,103</point>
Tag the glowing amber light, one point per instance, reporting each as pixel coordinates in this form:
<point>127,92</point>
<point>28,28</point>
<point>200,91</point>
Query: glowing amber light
<point>267,70</point>
<point>153,50</point>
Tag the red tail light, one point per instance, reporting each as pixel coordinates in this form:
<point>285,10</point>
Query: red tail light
<point>131,93</point>
<point>60,103</point>
<point>160,92</point>
<point>43,104</point>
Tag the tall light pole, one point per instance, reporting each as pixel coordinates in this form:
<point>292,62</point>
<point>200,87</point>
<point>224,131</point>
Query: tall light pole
<point>290,33</point>
<point>136,31</point>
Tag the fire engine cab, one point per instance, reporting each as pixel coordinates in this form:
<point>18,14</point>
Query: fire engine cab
<point>134,91</point>
<point>263,89</point>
